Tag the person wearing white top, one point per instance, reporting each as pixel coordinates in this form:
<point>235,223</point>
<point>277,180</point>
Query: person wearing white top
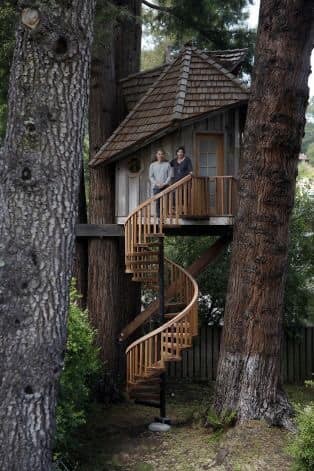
<point>160,173</point>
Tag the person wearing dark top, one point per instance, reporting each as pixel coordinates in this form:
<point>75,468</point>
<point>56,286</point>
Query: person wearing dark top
<point>182,165</point>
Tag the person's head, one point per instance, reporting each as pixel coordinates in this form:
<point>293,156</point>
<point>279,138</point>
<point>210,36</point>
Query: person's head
<point>180,152</point>
<point>160,155</point>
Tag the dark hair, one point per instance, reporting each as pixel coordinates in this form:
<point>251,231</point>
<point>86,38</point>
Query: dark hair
<point>180,148</point>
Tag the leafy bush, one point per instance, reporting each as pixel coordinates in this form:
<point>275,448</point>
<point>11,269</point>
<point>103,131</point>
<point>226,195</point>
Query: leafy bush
<point>81,369</point>
<point>302,448</point>
<point>219,423</point>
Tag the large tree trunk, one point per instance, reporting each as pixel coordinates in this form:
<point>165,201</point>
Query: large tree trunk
<point>40,168</point>
<point>112,298</point>
<point>249,367</point>
<point>80,265</point>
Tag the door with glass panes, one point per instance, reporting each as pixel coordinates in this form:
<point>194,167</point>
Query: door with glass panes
<point>210,163</point>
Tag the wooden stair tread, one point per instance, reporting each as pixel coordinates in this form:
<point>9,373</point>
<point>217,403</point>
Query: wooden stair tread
<point>144,262</point>
<point>148,403</point>
<point>174,305</point>
<point>148,244</point>
<point>145,280</point>
<point>144,252</point>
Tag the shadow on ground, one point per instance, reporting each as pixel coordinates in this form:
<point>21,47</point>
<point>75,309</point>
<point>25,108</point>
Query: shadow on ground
<point>116,438</point>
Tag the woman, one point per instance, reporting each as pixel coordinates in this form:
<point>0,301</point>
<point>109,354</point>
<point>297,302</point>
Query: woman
<point>182,165</point>
<point>159,175</point>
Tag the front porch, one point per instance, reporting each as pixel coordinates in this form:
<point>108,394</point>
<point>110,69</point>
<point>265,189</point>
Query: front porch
<point>201,201</point>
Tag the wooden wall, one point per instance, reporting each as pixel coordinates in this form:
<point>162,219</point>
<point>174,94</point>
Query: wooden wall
<point>132,189</point>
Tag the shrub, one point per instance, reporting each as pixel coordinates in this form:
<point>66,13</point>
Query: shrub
<point>81,370</point>
<point>302,448</point>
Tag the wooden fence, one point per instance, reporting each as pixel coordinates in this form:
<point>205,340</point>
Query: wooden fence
<point>200,362</point>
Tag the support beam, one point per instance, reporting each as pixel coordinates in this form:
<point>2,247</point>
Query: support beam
<point>99,230</point>
<point>195,269</point>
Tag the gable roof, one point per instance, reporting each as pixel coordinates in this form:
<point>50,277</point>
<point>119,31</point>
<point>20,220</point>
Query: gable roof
<point>192,85</point>
<point>136,85</point>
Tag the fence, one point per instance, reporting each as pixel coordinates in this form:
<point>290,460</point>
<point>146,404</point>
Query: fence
<point>200,362</point>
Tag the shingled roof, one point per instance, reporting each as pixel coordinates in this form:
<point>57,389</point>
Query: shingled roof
<point>192,85</point>
<point>136,85</point>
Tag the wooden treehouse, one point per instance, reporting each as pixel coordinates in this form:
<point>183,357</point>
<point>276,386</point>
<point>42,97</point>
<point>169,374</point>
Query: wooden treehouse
<point>196,101</point>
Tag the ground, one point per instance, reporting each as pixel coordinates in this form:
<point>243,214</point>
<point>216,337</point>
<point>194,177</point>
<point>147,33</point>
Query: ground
<point>116,438</point>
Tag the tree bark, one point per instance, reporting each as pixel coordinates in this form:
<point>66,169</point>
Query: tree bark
<point>248,378</point>
<point>40,167</point>
<point>80,266</point>
<point>113,299</point>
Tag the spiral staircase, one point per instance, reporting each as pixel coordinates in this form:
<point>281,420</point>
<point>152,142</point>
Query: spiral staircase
<point>148,356</point>
<point>173,287</point>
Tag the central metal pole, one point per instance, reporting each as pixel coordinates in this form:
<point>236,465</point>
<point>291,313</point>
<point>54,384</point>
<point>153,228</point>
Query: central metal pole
<point>162,320</point>
<point>162,423</point>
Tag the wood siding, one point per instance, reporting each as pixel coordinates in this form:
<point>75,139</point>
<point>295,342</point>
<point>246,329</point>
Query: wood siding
<point>133,189</point>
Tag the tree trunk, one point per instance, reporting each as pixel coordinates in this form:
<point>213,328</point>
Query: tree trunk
<point>80,266</point>
<point>249,367</point>
<point>40,167</point>
<point>113,299</point>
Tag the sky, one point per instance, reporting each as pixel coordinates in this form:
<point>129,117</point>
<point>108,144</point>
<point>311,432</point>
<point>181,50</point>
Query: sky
<point>253,20</point>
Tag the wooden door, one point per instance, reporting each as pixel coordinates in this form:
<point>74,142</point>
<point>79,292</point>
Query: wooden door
<point>210,163</point>
<point>209,155</point>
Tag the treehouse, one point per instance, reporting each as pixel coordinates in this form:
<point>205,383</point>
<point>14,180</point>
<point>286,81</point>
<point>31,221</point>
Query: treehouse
<point>196,101</point>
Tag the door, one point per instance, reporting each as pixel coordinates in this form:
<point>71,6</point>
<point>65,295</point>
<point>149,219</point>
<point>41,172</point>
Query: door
<point>209,155</point>
<point>210,163</point>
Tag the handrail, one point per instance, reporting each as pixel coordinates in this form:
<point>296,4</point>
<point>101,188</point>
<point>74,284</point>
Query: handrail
<point>159,195</point>
<point>189,197</point>
<point>175,319</point>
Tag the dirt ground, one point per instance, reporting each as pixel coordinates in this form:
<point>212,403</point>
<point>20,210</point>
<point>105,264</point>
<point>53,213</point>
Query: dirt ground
<point>116,438</point>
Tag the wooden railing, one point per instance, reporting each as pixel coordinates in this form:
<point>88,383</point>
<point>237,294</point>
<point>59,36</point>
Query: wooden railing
<point>190,197</point>
<point>148,355</point>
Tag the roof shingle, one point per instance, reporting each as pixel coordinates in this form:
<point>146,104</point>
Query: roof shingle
<point>192,85</point>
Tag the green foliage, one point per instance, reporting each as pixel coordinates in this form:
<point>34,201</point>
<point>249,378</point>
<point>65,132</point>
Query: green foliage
<point>212,282</point>
<point>81,369</point>
<point>219,423</point>
<point>210,24</point>
<point>299,291</point>
<point>308,140</point>
<point>300,277</point>
<point>301,448</point>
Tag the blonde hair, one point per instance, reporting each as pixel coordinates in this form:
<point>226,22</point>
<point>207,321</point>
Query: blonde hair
<point>164,154</point>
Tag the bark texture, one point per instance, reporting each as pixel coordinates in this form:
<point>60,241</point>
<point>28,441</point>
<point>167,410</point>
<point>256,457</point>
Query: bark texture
<point>249,370</point>
<point>80,266</point>
<point>112,298</point>
<point>40,168</point>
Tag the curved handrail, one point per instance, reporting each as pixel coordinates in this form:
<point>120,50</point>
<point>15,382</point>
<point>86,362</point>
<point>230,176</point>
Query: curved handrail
<point>176,318</point>
<point>159,195</point>
<point>190,196</point>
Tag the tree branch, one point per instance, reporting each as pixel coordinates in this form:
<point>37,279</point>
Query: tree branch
<point>158,7</point>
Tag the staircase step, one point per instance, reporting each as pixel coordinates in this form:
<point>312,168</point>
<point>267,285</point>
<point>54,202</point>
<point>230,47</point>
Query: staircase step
<point>148,244</point>
<point>141,254</point>
<point>145,280</point>
<point>172,358</point>
<point>153,388</point>
<point>144,396</point>
<point>144,262</point>
<point>148,403</point>
<point>174,307</point>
